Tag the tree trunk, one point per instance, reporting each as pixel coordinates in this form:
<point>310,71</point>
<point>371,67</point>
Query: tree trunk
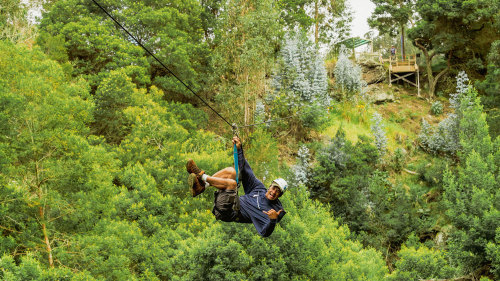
<point>430,75</point>
<point>316,22</point>
<point>403,53</point>
<point>428,67</point>
<point>46,236</point>
<point>432,88</point>
<point>246,106</point>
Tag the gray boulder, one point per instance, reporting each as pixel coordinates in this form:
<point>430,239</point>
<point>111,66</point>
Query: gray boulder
<point>373,72</point>
<point>379,95</point>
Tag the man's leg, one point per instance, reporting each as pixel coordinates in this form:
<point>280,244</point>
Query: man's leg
<point>226,201</point>
<point>223,179</point>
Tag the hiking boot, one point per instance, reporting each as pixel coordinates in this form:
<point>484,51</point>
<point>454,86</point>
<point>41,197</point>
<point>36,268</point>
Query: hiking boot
<point>193,169</point>
<point>194,185</point>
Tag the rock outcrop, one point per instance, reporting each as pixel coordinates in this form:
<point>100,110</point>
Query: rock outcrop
<point>373,72</point>
<point>378,95</point>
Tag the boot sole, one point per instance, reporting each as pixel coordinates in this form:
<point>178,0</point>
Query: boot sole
<point>191,167</point>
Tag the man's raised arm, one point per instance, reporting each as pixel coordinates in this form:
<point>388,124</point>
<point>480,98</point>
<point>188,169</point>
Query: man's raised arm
<point>248,178</point>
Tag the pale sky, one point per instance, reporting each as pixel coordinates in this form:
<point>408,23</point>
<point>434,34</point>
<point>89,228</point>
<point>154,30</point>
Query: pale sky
<point>362,10</point>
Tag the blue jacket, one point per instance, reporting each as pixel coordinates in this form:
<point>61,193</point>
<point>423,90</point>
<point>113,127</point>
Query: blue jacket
<point>254,202</point>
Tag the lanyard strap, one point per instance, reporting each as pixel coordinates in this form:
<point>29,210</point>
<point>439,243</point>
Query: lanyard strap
<point>235,152</point>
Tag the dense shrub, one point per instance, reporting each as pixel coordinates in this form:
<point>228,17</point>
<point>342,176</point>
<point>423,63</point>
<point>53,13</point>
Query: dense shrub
<point>379,133</point>
<point>347,76</point>
<point>436,108</point>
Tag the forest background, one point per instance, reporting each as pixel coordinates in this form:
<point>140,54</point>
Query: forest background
<point>95,133</point>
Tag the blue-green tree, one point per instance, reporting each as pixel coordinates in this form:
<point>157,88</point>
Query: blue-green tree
<point>300,86</point>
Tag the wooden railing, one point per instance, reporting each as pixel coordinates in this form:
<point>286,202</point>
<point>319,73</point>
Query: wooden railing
<point>406,61</point>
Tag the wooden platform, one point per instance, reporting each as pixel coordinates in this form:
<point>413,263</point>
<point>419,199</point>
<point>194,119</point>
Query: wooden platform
<point>403,68</point>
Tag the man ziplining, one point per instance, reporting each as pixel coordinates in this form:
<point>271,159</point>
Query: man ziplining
<point>258,206</point>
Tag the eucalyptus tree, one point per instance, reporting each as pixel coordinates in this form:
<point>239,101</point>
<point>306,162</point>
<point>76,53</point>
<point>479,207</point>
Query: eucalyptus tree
<point>392,16</point>
<point>246,40</point>
<point>348,78</point>
<point>331,18</point>
<point>14,23</point>
<point>300,85</point>
<point>328,20</point>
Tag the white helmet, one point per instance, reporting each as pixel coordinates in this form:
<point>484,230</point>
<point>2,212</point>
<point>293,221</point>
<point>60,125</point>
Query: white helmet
<point>281,183</point>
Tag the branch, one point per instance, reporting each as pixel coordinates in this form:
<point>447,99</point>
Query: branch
<point>424,49</point>
<point>8,229</point>
<point>410,172</point>
<point>441,73</point>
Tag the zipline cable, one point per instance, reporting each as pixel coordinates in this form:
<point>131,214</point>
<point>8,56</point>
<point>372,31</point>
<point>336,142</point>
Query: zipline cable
<point>151,54</point>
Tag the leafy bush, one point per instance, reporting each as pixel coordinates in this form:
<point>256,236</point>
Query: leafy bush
<point>471,194</point>
<point>379,133</point>
<point>262,154</point>
<point>445,138</point>
<point>308,244</point>
<point>347,75</point>
<point>399,159</point>
<point>419,263</point>
<point>432,172</point>
<point>341,176</point>
<point>300,171</point>
<point>436,108</point>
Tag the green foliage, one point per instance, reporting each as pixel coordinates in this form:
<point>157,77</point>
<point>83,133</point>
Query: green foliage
<point>493,251</point>
<point>308,245</point>
<point>462,31</point>
<point>418,263</point>
<point>93,151</point>
<point>431,172</point>
<point>392,217</point>
<point>263,154</point>
<point>246,39</point>
<point>113,95</point>
<point>14,23</point>
<point>389,17</point>
<point>341,178</point>
<point>330,20</point>
<point>490,87</point>
<point>399,158</point>
<point>95,46</point>
<point>294,13</point>
<point>300,87</point>
<point>30,269</point>
<point>436,108</point>
<point>471,195</point>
